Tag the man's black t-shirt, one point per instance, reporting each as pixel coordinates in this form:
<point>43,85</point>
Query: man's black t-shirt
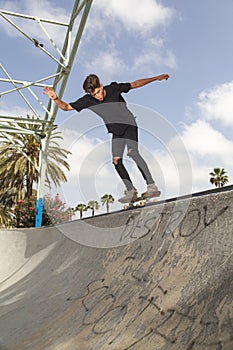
<point>113,109</point>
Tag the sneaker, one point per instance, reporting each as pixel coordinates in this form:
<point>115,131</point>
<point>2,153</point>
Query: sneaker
<point>152,191</point>
<point>130,196</point>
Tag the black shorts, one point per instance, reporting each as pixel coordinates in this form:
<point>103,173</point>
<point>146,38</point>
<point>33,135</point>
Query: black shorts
<point>129,139</point>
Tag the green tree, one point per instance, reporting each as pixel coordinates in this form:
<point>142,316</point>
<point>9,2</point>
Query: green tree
<point>93,205</point>
<point>218,177</point>
<point>81,208</point>
<point>5,216</point>
<point>6,204</point>
<point>106,200</point>
<point>17,172</point>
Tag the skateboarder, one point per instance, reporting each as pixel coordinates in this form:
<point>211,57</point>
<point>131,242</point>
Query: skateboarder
<point>108,103</point>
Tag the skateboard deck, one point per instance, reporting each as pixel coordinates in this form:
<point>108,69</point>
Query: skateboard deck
<point>143,200</point>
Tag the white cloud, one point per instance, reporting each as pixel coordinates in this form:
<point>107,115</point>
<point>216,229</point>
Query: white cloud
<point>207,139</point>
<point>42,9</point>
<point>89,154</point>
<point>154,54</point>
<point>200,174</point>
<point>117,27</point>
<point>166,175</point>
<point>108,63</point>
<point>173,159</point>
<point>202,140</point>
<point>217,103</point>
<point>137,16</point>
<point>208,148</point>
<point>13,111</point>
<point>111,63</point>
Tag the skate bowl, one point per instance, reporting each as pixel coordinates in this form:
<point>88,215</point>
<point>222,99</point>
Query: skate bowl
<point>166,283</point>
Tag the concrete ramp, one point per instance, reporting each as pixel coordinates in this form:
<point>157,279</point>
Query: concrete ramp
<point>153,278</point>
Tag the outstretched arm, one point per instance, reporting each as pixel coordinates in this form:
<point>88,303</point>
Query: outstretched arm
<point>141,82</point>
<point>53,96</point>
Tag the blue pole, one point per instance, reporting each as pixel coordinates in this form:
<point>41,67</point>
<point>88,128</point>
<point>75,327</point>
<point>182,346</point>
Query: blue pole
<point>39,212</point>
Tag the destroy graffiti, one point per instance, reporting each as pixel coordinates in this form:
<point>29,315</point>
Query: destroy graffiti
<point>138,300</point>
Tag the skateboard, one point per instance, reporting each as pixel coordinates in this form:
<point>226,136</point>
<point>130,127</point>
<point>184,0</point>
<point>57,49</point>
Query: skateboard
<point>143,200</point>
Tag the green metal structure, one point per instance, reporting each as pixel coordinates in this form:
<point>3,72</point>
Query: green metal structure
<point>74,30</point>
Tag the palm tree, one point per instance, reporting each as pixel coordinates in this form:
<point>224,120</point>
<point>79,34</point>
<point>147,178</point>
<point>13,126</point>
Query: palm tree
<point>81,208</point>
<point>218,177</point>
<point>56,158</point>
<point>5,216</point>
<point>93,205</point>
<point>6,203</point>
<point>106,200</point>
<point>16,171</point>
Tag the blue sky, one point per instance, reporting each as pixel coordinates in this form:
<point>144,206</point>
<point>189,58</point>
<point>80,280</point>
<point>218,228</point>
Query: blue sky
<point>186,122</point>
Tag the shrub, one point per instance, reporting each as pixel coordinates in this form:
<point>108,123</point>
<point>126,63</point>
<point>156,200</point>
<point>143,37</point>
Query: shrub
<point>54,212</point>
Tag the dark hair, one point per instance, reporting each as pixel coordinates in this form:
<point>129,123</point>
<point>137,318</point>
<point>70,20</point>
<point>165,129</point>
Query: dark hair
<point>91,83</point>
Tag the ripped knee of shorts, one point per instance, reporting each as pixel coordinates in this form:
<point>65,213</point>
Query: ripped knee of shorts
<point>116,160</point>
<point>132,153</point>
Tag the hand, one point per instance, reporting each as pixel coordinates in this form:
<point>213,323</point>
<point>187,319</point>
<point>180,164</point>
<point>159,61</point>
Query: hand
<point>50,92</point>
<point>163,76</point>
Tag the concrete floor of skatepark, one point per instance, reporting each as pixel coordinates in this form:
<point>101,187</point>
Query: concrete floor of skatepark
<point>158,277</point>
